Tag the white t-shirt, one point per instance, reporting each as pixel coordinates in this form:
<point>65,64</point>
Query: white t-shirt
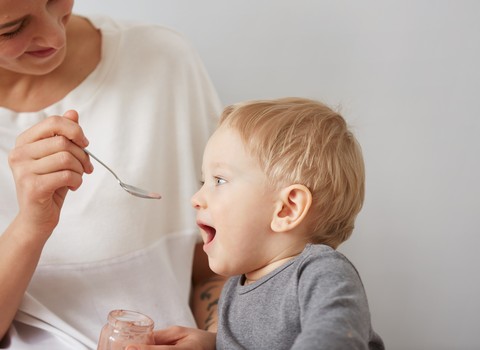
<point>147,110</point>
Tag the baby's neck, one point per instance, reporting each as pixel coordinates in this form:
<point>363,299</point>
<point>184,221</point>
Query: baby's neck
<point>253,276</point>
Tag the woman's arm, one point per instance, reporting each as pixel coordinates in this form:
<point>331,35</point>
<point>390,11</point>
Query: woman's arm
<point>18,259</point>
<point>44,166</point>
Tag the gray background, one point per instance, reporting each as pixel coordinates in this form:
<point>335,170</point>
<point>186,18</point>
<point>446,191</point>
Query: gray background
<point>406,76</point>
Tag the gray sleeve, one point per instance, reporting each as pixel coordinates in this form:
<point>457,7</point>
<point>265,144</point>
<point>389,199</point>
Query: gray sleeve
<point>334,308</point>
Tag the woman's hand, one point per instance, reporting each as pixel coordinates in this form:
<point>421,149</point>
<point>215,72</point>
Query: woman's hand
<point>178,338</point>
<point>48,159</point>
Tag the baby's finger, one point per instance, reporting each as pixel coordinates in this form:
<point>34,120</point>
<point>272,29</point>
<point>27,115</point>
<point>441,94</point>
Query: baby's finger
<point>170,335</point>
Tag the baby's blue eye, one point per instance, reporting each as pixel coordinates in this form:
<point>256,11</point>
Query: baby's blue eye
<point>219,181</point>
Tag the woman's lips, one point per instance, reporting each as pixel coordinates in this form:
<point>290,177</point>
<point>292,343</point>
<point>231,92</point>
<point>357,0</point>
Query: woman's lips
<point>42,53</point>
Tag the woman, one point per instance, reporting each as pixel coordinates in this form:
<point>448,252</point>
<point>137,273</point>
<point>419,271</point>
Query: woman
<point>147,106</point>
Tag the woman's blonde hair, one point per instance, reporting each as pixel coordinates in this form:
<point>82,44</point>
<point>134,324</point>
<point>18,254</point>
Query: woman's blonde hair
<point>302,141</point>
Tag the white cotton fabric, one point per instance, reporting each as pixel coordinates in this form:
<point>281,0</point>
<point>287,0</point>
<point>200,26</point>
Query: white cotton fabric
<point>147,110</point>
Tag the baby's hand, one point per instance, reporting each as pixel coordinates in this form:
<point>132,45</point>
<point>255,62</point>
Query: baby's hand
<point>179,338</point>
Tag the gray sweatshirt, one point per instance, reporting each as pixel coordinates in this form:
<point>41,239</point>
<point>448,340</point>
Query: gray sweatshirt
<point>314,301</point>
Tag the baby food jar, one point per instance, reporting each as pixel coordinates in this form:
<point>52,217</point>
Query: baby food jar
<point>125,327</point>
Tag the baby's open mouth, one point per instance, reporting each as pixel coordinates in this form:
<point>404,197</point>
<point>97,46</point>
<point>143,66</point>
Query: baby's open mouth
<point>209,232</point>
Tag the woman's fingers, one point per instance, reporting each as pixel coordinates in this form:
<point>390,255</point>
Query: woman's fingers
<point>53,126</point>
<point>62,168</point>
<point>39,179</point>
<point>65,151</point>
<point>72,115</point>
<point>47,161</point>
<point>49,158</point>
<point>46,185</point>
<point>50,155</point>
<point>54,135</point>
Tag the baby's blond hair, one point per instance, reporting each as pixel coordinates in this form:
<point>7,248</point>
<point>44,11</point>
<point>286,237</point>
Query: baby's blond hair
<point>302,141</point>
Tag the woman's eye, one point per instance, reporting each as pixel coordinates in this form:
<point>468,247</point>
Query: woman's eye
<point>13,33</point>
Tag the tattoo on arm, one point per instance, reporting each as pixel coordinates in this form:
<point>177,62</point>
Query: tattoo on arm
<point>206,295</point>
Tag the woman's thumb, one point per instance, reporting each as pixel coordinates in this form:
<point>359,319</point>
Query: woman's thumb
<point>72,115</point>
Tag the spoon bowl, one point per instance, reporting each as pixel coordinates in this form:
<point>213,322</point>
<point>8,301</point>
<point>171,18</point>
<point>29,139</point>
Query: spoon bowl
<point>133,190</point>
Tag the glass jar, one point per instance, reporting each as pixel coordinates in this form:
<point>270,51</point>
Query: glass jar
<point>125,327</point>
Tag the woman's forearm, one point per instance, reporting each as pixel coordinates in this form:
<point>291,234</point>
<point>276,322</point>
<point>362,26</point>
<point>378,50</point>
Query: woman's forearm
<point>206,289</point>
<point>205,302</point>
<point>18,260</point>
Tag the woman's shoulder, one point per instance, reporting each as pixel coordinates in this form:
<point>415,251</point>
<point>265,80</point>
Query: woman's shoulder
<point>145,46</point>
<point>138,33</point>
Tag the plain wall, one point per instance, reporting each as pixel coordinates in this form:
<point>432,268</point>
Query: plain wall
<point>406,75</point>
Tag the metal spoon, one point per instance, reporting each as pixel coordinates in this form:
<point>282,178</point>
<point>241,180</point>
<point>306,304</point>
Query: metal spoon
<point>129,188</point>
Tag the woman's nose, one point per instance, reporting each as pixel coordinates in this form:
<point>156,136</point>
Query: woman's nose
<point>51,33</point>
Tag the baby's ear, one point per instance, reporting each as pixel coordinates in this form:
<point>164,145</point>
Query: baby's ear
<point>291,208</point>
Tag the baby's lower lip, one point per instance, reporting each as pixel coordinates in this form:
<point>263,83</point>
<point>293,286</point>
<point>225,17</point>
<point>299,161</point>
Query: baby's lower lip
<point>42,53</point>
<point>208,243</point>
<point>210,238</point>
<point>209,232</point>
